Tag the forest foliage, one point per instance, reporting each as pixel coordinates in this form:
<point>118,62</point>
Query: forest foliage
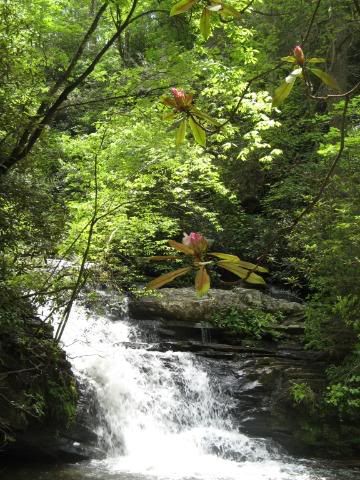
<point>97,167</point>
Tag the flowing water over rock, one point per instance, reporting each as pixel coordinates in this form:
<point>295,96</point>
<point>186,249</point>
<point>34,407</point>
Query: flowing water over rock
<point>163,414</point>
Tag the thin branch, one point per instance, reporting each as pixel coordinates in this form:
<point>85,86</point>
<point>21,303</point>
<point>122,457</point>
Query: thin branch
<point>80,50</point>
<point>247,6</point>
<point>80,277</point>
<point>338,96</point>
<point>311,23</point>
<point>149,12</point>
<point>28,139</point>
<point>140,94</point>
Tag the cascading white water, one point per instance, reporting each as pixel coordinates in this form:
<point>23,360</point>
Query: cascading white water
<point>162,415</point>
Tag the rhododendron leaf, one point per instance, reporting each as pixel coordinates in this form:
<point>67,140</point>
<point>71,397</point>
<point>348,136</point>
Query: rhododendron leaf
<point>214,8</point>
<point>228,10</point>
<point>225,256</point>
<point>167,278</point>
<point>202,281</point>
<point>325,78</point>
<point>168,116</point>
<point>198,132</point>
<point>188,100</point>
<point>242,272</point>
<point>160,258</point>
<point>316,60</point>
<point>293,75</point>
<point>281,93</point>
<point>205,22</point>
<point>252,266</point>
<point>236,261</point>
<point>180,133</point>
<point>169,102</point>
<point>182,7</point>
<point>181,247</point>
<point>204,116</point>
<point>289,59</point>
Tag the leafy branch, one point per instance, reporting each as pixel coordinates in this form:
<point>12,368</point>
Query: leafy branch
<point>195,247</point>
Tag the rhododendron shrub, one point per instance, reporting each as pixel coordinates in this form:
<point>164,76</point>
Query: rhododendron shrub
<point>199,260</point>
<point>303,70</point>
<point>184,113</point>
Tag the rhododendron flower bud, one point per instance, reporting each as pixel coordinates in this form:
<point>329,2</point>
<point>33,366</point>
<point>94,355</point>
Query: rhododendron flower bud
<point>178,94</point>
<point>299,55</point>
<point>196,241</point>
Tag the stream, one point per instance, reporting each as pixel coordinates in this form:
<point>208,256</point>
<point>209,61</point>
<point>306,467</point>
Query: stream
<point>163,415</point>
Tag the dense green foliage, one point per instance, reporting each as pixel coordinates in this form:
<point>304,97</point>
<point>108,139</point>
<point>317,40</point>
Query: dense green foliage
<point>252,322</point>
<point>94,171</point>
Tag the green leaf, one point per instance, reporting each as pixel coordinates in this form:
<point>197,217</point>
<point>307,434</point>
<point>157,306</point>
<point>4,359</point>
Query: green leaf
<point>181,247</point>
<point>198,132</point>
<point>180,133</point>
<point>242,272</point>
<point>325,78</point>
<point>205,23</point>
<point>281,93</point>
<point>236,260</point>
<point>214,8</point>
<point>204,116</point>
<point>202,281</point>
<point>167,278</point>
<point>252,266</point>
<point>225,256</point>
<point>182,6</point>
<point>316,60</point>
<point>228,10</point>
<point>168,116</point>
<point>160,258</point>
<point>289,59</point>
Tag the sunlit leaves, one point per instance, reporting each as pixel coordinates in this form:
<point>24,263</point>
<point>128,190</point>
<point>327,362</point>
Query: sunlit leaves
<point>167,278</point>
<point>236,260</point>
<point>289,59</point>
<point>281,93</point>
<point>181,132</point>
<point>316,60</point>
<point>241,272</point>
<point>215,6</point>
<point>198,132</point>
<point>205,20</point>
<point>202,281</point>
<point>182,6</point>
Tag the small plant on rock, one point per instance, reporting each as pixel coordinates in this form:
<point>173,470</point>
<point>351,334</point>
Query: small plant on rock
<point>195,247</point>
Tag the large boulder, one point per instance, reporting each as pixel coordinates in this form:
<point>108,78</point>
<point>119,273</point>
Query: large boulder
<point>183,304</point>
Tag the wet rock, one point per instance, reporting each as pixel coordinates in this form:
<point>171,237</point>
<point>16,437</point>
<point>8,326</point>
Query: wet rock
<point>183,304</point>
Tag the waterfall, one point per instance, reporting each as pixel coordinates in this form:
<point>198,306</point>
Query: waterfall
<point>162,414</point>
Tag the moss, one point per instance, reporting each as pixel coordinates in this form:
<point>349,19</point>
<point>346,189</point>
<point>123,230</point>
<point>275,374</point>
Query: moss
<point>36,379</point>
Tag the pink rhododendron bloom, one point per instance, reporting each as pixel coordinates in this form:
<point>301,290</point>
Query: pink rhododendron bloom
<point>186,240</point>
<point>192,239</point>
<point>177,93</point>
<point>299,55</point>
<point>196,241</point>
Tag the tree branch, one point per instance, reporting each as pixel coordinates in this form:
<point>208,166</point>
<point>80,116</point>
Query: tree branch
<point>25,145</point>
<point>316,9</point>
